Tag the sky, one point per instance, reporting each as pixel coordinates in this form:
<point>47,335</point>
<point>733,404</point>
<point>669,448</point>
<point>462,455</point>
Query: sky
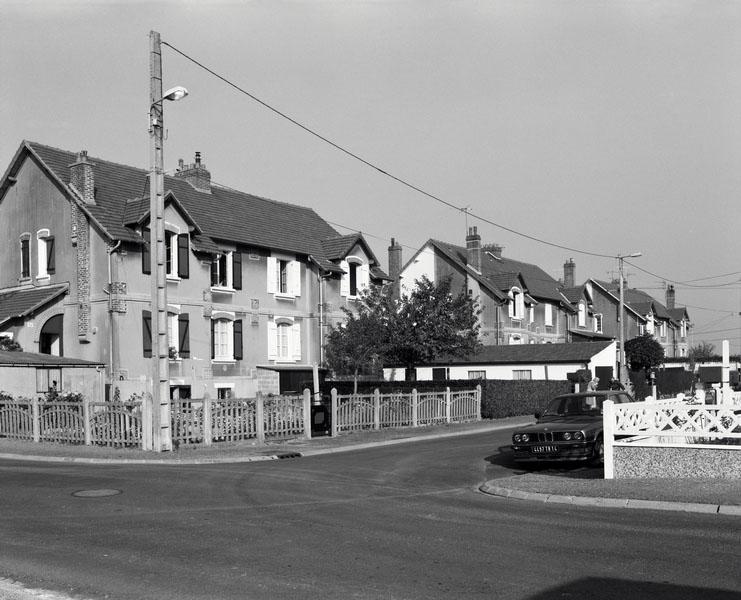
<point>561,130</point>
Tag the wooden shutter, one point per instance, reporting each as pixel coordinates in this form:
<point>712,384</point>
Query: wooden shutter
<point>296,341</point>
<point>25,258</point>
<point>272,340</point>
<point>345,283</point>
<point>183,335</point>
<point>364,277</point>
<point>146,259</point>
<point>183,256</point>
<point>272,274</point>
<point>237,270</point>
<point>50,263</point>
<point>147,333</point>
<point>238,339</point>
<point>295,277</point>
<point>213,340</point>
<point>215,270</point>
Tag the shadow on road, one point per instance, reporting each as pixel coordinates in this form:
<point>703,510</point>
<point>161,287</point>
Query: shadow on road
<point>576,470</point>
<point>608,588</point>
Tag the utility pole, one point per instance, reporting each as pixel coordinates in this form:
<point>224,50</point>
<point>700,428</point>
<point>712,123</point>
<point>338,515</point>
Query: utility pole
<point>622,367</point>
<point>161,434</point>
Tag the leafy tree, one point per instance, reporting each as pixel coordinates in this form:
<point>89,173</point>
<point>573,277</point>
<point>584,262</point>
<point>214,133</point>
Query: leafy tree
<point>644,352</point>
<point>7,343</point>
<point>432,322</point>
<point>427,323</point>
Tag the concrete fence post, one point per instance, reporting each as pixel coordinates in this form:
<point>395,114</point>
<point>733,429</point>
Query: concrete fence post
<point>415,408</point>
<point>608,429</point>
<point>86,420</point>
<point>478,402</point>
<point>333,396</point>
<point>207,420</point>
<point>376,409</point>
<point>260,418</point>
<point>36,419</point>
<point>307,414</point>
<point>447,405</point>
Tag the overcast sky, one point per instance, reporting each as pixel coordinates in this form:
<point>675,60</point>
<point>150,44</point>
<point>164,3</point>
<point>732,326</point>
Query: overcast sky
<point>606,127</point>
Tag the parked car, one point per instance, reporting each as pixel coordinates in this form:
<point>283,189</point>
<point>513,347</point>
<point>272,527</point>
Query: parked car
<point>570,429</point>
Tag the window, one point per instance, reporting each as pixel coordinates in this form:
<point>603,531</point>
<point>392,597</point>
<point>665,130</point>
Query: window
<point>356,277</point>
<point>224,391</point>
<point>650,324</point>
<point>25,256</point>
<point>284,340</point>
<point>532,314</point>
<point>284,276</point>
<point>477,374</point>
<point>549,315</point>
<point>522,374</point>
<point>177,253</point>
<point>641,329</point>
<point>683,329</point>
<point>226,337</point>
<point>440,374</point>
<point>662,329</point>
<point>582,322</point>
<point>45,253</point>
<point>226,270</point>
<point>516,303</point>
<point>598,323</point>
<point>178,334</point>
<point>48,380</point>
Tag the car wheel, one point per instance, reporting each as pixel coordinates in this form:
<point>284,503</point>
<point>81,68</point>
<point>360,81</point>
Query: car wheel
<point>598,455</point>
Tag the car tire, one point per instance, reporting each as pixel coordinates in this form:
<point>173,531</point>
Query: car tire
<point>598,454</point>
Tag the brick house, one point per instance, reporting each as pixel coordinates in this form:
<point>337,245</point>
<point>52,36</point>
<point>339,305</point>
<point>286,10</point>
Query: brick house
<point>520,303</point>
<point>252,284</point>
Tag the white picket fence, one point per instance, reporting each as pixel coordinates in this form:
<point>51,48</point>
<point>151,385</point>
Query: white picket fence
<point>667,423</point>
<point>353,412</point>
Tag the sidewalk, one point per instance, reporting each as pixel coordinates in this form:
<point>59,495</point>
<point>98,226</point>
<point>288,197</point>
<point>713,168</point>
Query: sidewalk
<point>560,485</point>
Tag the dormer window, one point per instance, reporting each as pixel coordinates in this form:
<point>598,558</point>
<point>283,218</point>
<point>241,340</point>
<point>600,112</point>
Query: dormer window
<point>45,253</point>
<point>516,303</point>
<point>356,276</point>
<point>582,316</point>
<point>598,323</point>
<point>284,276</point>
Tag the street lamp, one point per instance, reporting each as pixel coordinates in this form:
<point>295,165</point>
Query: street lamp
<point>161,435</point>
<point>623,371</point>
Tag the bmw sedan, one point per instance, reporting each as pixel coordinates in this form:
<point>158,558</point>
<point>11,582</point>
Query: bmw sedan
<point>570,429</point>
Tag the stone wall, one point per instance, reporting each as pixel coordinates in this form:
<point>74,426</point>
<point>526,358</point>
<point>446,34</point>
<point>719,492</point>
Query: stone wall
<point>682,462</point>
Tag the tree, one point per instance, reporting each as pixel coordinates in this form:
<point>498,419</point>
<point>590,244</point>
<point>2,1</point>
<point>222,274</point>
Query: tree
<point>7,343</point>
<point>360,341</point>
<point>432,322</point>
<point>702,351</point>
<point>644,352</point>
<point>429,322</point>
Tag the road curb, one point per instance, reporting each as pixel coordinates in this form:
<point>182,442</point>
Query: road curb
<point>492,489</point>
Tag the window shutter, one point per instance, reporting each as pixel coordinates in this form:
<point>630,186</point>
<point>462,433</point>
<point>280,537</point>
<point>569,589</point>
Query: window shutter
<point>183,256</point>
<point>146,260</point>
<point>345,283</point>
<point>295,270</point>
<point>50,265</point>
<point>184,335</point>
<point>237,270</point>
<point>364,277</point>
<point>272,274</point>
<point>25,259</point>
<point>272,340</point>
<point>215,270</point>
<point>147,333</point>
<point>511,305</point>
<point>238,339</point>
<point>213,340</point>
<point>296,341</point>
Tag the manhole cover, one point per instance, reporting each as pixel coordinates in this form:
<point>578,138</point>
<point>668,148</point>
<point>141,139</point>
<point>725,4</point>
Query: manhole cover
<point>95,493</point>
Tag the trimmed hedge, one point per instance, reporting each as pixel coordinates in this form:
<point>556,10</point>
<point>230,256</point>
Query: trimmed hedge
<point>499,398</point>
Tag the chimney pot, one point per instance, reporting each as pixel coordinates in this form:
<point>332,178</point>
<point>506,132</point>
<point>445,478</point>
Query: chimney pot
<point>197,175</point>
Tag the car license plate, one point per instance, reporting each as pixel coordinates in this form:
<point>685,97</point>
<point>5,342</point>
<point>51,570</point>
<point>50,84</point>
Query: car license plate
<point>545,449</point>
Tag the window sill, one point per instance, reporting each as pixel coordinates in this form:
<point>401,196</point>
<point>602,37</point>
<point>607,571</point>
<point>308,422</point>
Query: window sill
<point>223,361</point>
<point>217,289</point>
<point>173,279</point>
<point>279,296</point>
<point>43,278</point>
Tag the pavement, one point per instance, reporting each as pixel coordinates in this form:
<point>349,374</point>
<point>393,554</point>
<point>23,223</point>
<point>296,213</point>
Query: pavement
<point>575,485</point>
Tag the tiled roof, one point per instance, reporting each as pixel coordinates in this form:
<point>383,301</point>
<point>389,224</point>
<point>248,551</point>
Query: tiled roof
<point>498,271</point>
<point>121,199</point>
<point>573,294</point>
<point>31,359</point>
<point>638,300</point>
<point>678,313</point>
<point>20,303</point>
<point>532,353</point>
<point>590,335</point>
<point>337,248</point>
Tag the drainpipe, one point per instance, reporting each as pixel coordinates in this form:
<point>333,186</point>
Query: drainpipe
<point>113,350</point>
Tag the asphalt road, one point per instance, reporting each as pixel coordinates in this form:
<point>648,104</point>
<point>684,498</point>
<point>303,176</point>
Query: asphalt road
<point>394,522</point>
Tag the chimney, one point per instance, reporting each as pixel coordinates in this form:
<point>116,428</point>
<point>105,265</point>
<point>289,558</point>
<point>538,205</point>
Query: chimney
<point>473,249</point>
<point>395,266</point>
<point>569,273</point>
<point>195,174</point>
<point>81,177</point>
<point>670,297</point>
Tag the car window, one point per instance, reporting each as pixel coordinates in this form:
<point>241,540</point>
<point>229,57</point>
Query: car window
<point>567,406</point>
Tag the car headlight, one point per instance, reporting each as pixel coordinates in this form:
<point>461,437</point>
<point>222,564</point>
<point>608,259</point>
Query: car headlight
<point>578,435</point>
<point>567,436</point>
<point>525,437</point>
<point>516,438</point>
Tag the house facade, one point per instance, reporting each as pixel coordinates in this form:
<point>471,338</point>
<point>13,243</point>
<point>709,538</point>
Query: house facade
<point>520,303</point>
<point>252,284</point>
